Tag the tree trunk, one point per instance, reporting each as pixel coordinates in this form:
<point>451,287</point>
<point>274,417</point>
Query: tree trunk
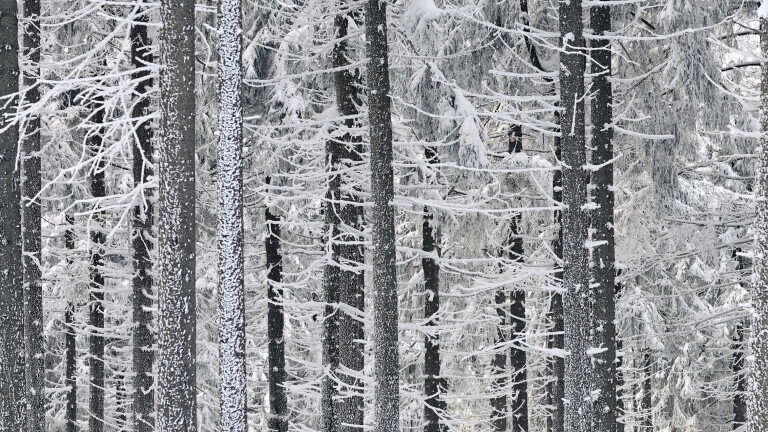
<point>619,375</point>
<point>176,399</point>
<point>70,341</point>
<point>385,313</point>
<point>33,287</point>
<point>143,220</point>
<point>576,307</point>
<point>499,364</point>
<point>12,359</point>
<point>517,356</point>
<point>433,382</point>
<point>603,255</point>
<point>96,303</point>
<point>757,401</point>
<point>739,400</point>
<point>646,407</point>
<point>278,402</point>
<point>230,228</point>
<point>350,251</point>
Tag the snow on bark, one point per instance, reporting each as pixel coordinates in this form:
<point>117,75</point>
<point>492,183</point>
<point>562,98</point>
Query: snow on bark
<point>385,307</point>
<point>576,307</point>
<point>231,290</point>
<point>176,376</point>
<point>33,287</point>
<point>70,343</point>
<point>757,385</point>
<point>278,400</point>
<point>12,358</point>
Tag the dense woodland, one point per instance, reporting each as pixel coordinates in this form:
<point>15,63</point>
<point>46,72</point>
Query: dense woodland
<point>384,215</point>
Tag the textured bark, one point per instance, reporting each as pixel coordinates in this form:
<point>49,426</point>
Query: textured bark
<point>434,384</point>
<point>70,343</point>
<point>12,358</point>
<point>517,356</point>
<point>234,416</point>
<point>33,287</point>
<point>757,384</point>
<point>385,307</point>
<point>739,402</point>
<point>645,403</point>
<point>143,220</point>
<point>176,398</point>
<point>499,364</point>
<point>278,402</point>
<point>603,255</point>
<point>342,396</point>
<point>96,300</point>
<point>576,307</point>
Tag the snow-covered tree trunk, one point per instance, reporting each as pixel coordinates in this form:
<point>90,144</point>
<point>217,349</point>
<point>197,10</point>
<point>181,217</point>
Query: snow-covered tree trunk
<point>33,287</point>
<point>96,300</point>
<point>230,228</point>
<point>603,255</point>
<point>646,407</point>
<point>70,341</point>
<point>385,307</point>
<point>739,400</point>
<point>576,307</point>
<point>12,364</point>
<point>517,356</point>
<point>278,401</point>
<point>142,235</point>
<point>757,387</point>
<point>434,385</point>
<point>499,364</point>
<point>176,376</point>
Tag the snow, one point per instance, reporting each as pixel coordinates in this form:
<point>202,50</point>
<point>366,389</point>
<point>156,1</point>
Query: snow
<point>762,11</point>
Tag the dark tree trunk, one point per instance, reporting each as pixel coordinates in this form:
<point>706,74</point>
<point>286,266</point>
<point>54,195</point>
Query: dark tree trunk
<point>70,342</point>
<point>499,364</point>
<point>176,375</point>
<point>385,313</point>
<point>576,307</point>
<point>603,255</point>
<point>33,287</point>
<point>278,404</point>
<point>96,303</point>
<point>739,402</point>
<point>434,385</point>
<point>517,356</point>
<point>343,398</point>
<point>12,358</point>
<point>646,407</point>
<point>143,220</point>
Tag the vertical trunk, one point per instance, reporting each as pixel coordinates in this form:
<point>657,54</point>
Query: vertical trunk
<point>499,364</point>
<point>517,356</point>
<point>758,346</point>
<point>278,403</point>
<point>619,362</point>
<point>604,256</point>
<point>70,342</point>
<point>350,251</point>
<point>645,404</point>
<point>739,402</point>
<point>33,287</point>
<point>143,220</point>
<point>576,307</point>
<point>433,382</point>
<point>342,395</point>
<point>177,405</point>
<point>96,302</point>
<point>12,359</point>
<point>230,228</point>
<point>385,307</point>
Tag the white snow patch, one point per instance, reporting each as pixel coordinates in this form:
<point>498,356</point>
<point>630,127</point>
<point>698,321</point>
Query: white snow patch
<point>762,11</point>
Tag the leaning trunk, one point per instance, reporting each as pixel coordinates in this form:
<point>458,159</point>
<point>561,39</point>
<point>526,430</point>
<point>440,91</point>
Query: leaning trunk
<point>385,307</point>
<point>176,377</point>
<point>576,307</point>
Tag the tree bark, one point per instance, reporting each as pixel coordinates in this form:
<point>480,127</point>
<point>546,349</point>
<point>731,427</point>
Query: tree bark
<point>739,400</point>
<point>385,313</point>
<point>434,385</point>
<point>176,399</point>
<point>12,358</point>
<point>96,302</point>
<point>143,221</point>
<point>230,228</point>
<point>278,401</point>
<point>517,356</point>
<point>576,307</point>
<point>70,342</point>
<point>646,407</point>
<point>603,255</point>
<point>499,364</point>
<point>33,287</point>
<point>757,400</point>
